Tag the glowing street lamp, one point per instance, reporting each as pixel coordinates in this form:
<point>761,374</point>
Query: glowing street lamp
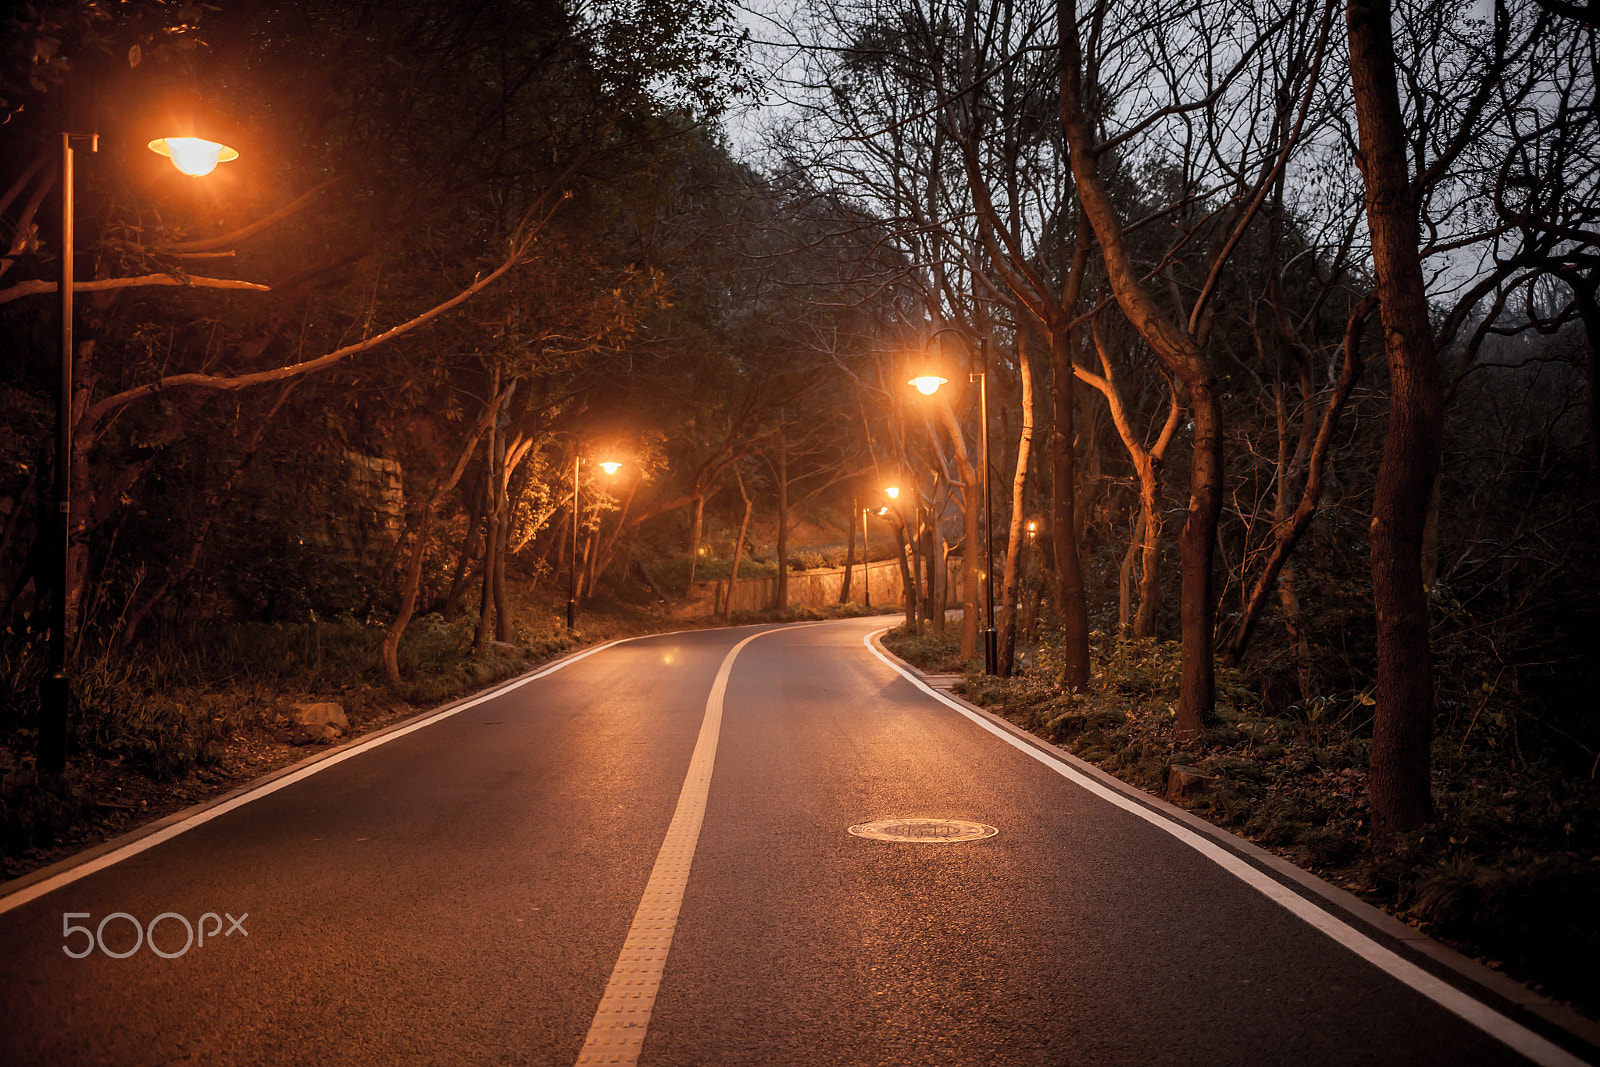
<point>928,383</point>
<point>610,467</point>
<point>192,156</point>
<point>892,492</point>
<point>194,139</point>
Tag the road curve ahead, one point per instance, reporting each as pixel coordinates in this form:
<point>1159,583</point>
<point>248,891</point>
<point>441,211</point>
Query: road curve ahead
<point>644,855</point>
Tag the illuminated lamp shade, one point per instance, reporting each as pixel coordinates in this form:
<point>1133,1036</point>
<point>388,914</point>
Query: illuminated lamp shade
<point>893,492</point>
<point>193,136</point>
<point>192,155</point>
<point>610,467</point>
<point>928,384</point>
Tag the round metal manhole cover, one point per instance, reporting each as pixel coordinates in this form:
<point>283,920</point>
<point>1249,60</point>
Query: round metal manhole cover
<point>924,831</point>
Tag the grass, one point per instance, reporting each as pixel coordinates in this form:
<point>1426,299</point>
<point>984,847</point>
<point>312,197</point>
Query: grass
<point>1508,870</point>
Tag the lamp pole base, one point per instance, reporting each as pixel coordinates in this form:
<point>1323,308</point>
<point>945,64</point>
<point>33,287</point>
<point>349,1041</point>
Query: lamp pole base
<point>54,695</point>
<point>991,651</point>
<point>572,613</point>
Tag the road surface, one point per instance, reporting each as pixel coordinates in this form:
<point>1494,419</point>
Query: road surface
<point>646,854</point>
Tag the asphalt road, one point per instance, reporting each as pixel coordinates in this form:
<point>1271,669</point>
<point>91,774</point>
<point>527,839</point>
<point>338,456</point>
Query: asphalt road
<point>460,894</point>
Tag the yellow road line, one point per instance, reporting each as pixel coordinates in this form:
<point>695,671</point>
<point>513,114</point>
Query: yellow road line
<point>617,1033</point>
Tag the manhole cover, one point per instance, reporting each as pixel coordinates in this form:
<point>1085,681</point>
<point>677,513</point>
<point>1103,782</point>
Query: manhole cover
<point>927,831</point>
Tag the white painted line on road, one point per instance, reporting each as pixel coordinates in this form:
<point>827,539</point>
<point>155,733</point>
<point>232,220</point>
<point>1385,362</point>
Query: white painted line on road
<point>617,1033</point>
<point>205,815</point>
<point>1447,996</point>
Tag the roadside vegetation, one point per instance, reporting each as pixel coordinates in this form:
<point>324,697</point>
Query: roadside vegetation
<point>1507,870</point>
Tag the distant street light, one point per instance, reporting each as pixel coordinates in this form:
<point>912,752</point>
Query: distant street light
<point>913,594</point>
<point>610,467</point>
<point>192,157</point>
<point>928,383</point>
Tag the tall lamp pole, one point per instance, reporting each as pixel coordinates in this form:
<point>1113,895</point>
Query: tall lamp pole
<point>991,645</point>
<point>572,571</point>
<point>610,467</point>
<point>928,383</point>
<point>866,563</point>
<point>191,155</point>
<point>55,691</point>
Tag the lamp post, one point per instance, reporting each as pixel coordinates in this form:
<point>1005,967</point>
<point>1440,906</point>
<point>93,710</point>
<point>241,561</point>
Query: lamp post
<point>866,562</point>
<point>55,691</point>
<point>928,383</point>
<point>914,591</point>
<point>610,467</point>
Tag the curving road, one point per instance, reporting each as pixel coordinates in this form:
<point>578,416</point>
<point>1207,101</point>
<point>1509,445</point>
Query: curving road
<point>644,852</point>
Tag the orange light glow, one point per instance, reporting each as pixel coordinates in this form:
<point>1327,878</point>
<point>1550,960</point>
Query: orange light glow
<point>893,492</point>
<point>610,467</point>
<point>928,384</point>
<point>192,155</point>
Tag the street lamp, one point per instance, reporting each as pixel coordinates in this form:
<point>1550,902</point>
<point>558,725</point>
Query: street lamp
<point>610,467</point>
<point>866,561</point>
<point>194,138</point>
<point>928,383</point>
<point>55,691</point>
<point>913,528</point>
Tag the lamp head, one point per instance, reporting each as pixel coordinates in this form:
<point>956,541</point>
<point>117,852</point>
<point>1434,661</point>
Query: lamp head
<point>195,139</point>
<point>192,155</point>
<point>892,492</point>
<point>610,466</point>
<point>928,384</point>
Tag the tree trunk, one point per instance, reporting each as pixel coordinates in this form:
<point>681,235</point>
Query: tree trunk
<point>908,581</point>
<point>1019,489</point>
<point>458,582</point>
<point>1197,545</point>
<point>972,504</point>
<point>502,535</point>
<point>390,654</point>
<point>1398,783</point>
<point>491,525</point>
<point>1125,579</point>
<point>1290,532</point>
<point>738,547</point>
<point>1150,526</point>
<point>695,528</point>
<point>783,523</point>
<point>1178,349</point>
<point>1072,612</point>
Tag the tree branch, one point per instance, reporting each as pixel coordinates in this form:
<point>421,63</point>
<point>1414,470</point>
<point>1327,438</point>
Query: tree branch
<point>34,288</point>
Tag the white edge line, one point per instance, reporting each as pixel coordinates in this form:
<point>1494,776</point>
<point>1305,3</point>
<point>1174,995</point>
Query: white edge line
<point>107,859</point>
<point>1538,1049</point>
